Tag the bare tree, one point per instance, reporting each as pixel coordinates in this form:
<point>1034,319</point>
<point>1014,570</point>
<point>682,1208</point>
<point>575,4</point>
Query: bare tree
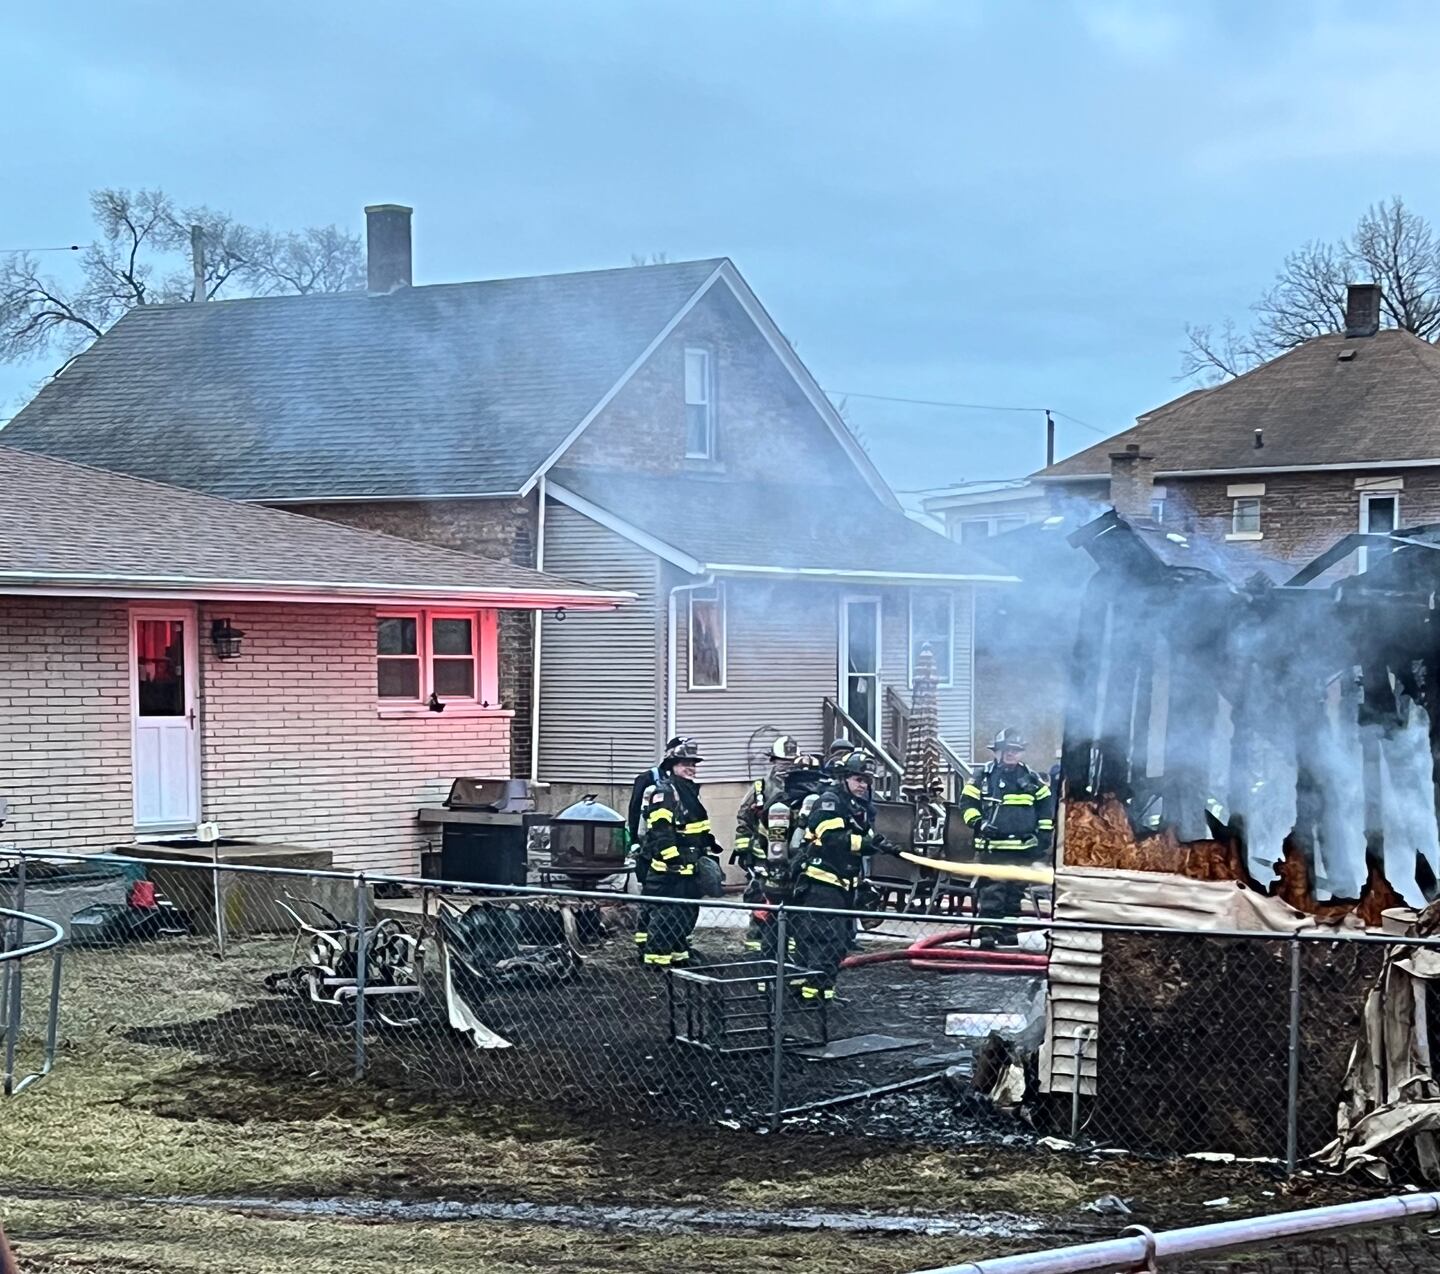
<point>141,256</point>
<point>1390,245</point>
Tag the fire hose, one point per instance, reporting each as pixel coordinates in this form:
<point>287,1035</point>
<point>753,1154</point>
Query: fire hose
<point>933,953</point>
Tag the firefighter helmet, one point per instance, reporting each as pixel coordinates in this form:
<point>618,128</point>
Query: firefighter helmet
<point>858,764</point>
<point>841,746</point>
<point>1008,740</point>
<point>684,750</point>
<point>785,748</point>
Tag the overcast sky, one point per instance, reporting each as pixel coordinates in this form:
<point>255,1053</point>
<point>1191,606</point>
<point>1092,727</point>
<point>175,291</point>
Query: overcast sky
<point>1001,203</point>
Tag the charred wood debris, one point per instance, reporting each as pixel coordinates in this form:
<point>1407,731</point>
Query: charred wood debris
<point>1278,728</point>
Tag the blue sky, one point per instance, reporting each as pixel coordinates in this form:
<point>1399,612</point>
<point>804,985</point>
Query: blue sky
<point>1001,203</point>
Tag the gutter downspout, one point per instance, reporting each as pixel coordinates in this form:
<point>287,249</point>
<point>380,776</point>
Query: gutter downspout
<point>539,625</point>
<point>671,672</point>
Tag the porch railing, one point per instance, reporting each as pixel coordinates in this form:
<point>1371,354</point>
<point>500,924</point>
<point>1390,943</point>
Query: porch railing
<point>840,723</point>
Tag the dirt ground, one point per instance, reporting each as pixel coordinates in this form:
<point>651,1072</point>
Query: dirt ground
<point>146,1108</point>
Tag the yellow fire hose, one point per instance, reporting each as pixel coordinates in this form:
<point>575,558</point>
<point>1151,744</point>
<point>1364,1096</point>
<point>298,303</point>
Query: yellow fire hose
<point>991,871</point>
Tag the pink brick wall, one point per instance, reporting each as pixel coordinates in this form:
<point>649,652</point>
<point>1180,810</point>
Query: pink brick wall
<point>295,751</point>
<point>64,724</point>
<point>293,748</point>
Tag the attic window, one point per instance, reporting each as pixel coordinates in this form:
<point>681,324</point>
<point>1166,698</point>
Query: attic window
<point>699,404</point>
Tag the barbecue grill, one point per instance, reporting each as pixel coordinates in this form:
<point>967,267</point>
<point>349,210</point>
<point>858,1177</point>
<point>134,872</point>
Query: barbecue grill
<point>484,827</point>
<point>587,845</point>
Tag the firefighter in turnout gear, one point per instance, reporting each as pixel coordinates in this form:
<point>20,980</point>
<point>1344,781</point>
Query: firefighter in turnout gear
<point>635,832</point>
<point>785,841</point>
<point>839,837</point>
<point>1012,811</point>
<point>750,848</point>
<point>677,838</point>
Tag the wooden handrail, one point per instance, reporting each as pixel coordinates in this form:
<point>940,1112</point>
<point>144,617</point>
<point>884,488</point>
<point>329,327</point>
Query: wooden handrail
<point>854,730</point>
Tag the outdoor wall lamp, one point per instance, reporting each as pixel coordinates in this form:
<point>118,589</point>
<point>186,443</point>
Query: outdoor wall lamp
<point>226,639</point>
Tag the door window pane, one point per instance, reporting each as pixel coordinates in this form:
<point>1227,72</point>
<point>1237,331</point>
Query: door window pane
<point>1381,514</point>
<point>160,667</point>
<point>862,652</point>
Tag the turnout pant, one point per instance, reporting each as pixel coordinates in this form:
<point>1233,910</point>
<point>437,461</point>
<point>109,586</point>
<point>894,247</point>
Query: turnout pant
<point>668,925</point>
<point>1002,897</point>
<point>755,930</point>
<point>821,942</point>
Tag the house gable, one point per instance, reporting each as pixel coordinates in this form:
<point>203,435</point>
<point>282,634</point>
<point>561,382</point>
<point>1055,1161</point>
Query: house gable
<point>767,423</point>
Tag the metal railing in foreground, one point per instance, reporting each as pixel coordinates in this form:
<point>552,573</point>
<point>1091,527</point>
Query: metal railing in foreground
<point>1138,1249</point>
<point>16,944</point>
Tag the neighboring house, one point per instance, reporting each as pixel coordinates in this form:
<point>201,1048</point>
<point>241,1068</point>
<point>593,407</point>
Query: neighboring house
<point>974,511</point>
<point>647,429</point>
<point>1340,434</point>
<point>168,658</point>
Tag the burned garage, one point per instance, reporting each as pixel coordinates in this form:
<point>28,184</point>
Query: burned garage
<point>1245,750</point>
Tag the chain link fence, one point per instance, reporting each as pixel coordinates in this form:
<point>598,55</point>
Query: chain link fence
<point>1182,1042</point>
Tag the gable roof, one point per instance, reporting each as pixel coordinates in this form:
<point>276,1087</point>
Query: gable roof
<point>1335,402</point>
<point>461,389</point>
<point>703,524</point>
<point>72,530</point>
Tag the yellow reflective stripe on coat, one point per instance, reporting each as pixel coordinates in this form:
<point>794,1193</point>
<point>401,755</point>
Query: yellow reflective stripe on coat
<point>971,791</point>
<point>1045,824</point>
<point>659,815</point>
<point>1042,791</point>
<point>857,842</point>
<point>1009,842</point>
<point>970,816</point>
<point>670,852</point>
<point>827,877</point>
<point>694,829</point>
<point>1017,798</point>
<point>829,825</point>
<point>741,842</point>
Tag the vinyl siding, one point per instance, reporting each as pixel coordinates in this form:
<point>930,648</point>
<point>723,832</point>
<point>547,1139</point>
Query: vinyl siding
<point>782,662</point>
<point>601,675</point>
<point>955,700</point>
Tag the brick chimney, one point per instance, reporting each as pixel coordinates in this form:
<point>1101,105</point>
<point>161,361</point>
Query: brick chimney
<point>1132,482</point>
<point>387,247</point>
<point>1362,309</point>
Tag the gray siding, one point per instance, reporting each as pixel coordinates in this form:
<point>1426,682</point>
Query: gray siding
<point>956,699</point>
<point>783,661</point>
<point>601,676</point>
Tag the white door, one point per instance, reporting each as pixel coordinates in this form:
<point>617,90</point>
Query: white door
<point>1379,515</point>
<point>860,661</point>
<point>165,735</point>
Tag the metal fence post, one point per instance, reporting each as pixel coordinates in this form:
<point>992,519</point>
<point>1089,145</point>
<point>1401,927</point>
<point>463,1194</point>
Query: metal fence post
<point>11,972</point>
<point>777,1019</point>
<point>1292,1097</point>
<point>362,955</point>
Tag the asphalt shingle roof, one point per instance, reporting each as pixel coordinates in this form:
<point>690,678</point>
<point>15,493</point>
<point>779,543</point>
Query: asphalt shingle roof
<point>787,526</point>
<point>1380,404</point>
<point>62,522</point>
<point>456,389</point>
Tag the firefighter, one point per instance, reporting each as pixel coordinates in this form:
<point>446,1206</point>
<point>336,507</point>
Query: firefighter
<point>635,835</point>
<point>1012,812</point>
<point>751,845</point>
<point>839,836</point>
<point>785,840</point>
<point>677,838</point>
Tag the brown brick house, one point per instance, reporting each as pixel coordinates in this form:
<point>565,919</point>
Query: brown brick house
<point>1340,434</point>
<point>647,429</point>
<point>169,658</point>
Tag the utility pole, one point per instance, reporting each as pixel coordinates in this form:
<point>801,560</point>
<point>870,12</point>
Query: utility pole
<point>197,262</point>
<point>1049,438</point>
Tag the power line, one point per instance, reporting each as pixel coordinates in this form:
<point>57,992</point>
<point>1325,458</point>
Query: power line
<point>71,247</point>
<point>935,402</point>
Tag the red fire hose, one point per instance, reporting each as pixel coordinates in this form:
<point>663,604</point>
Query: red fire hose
<point>932,952</point>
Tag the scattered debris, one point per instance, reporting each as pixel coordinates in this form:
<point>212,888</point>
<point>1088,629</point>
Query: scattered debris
<point>1222,1202</point>
<point>1107,1205</point>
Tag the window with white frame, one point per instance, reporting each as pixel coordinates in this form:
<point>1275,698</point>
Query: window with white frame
<point>707,638</point>
<point>699,404</point>
<point>1245,515</point>
<point>450,654</point>
<point>932,620</point>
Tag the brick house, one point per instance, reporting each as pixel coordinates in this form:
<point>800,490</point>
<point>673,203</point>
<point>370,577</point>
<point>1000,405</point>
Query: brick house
<point>1339,435</point>
<point>127,712</point>
<point>645,429</point>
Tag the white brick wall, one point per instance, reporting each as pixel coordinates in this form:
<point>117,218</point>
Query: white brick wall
<point>292,746</point>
